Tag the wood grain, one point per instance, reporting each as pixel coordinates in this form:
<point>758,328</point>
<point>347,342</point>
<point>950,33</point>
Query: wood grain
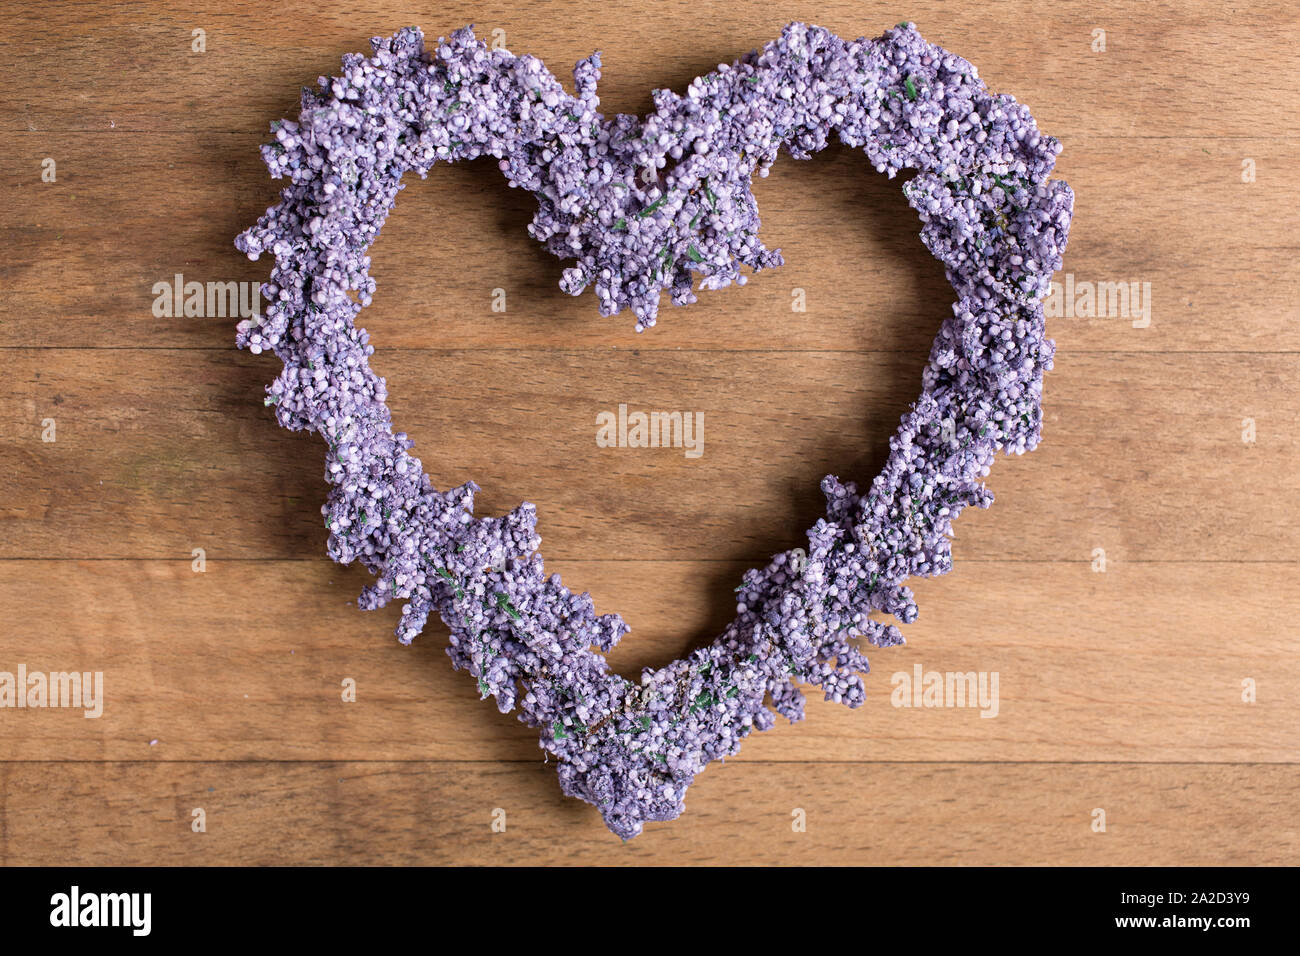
<point>1161,690</point>
<point>207,187</point>
<point>162,452</point>
<point>420,813</point>
<point>1111,674</point>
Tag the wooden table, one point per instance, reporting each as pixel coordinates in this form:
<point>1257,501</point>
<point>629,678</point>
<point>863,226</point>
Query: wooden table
<point>1159,692</point>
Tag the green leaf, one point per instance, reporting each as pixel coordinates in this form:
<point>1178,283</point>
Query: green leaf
<point>653,206</point>
<point>694,254</point>
<point>503,602</point>
<point>446,575</point>
<point>664,258</point>
<point>704,700</point>
<point>911,88</point>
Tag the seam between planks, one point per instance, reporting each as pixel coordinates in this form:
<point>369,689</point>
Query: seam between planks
<point>751,760</point>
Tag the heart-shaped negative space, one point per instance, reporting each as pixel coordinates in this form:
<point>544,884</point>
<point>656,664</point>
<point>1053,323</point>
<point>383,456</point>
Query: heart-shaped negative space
<point>989,213</point>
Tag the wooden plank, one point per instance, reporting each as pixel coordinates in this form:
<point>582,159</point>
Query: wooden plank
<point>89,252</point>
<point>246,661</point>
<point>159,452</point>
<point>438,813</point>
<point>1120,690</point>
<point>1168,68</point>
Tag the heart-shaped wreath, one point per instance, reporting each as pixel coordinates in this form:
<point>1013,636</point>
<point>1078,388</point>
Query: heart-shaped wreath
<point>988,212</point>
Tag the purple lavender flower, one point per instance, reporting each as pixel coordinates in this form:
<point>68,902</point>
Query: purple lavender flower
<point>988,212</point>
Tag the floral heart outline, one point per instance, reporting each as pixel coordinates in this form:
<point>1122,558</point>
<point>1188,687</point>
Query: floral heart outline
<point>988,210</point>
